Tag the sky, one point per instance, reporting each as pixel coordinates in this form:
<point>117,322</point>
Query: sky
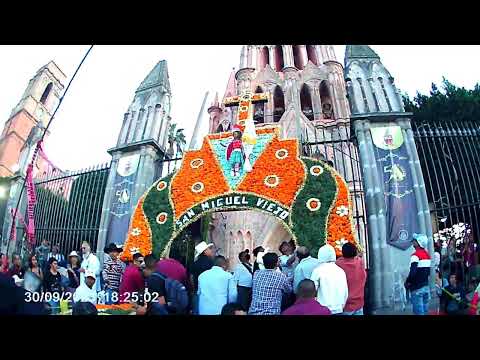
<point>89,119</point>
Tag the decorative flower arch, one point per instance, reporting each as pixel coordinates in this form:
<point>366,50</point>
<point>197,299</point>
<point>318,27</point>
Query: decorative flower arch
<point>306,195</point>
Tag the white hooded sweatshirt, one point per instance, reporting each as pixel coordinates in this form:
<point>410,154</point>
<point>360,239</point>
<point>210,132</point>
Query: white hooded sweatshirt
<point>330,281</point>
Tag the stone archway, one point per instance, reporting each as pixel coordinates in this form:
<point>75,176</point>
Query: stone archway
<point>308,197</point>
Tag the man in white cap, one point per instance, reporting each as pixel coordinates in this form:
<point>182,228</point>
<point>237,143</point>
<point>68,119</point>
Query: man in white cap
<point>86,292</point>
<point>204,255</point>
<point>417,280</point>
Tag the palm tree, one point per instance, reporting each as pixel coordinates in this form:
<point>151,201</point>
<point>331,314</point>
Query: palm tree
<point>175,137</point>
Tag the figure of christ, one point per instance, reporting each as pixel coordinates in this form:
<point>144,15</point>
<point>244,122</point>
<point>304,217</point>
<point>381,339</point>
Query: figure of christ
<point>236,153</point>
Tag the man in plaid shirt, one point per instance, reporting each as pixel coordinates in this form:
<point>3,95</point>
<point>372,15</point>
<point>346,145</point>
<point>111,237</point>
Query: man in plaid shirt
<point>113,269</point>
<point>268,288</point>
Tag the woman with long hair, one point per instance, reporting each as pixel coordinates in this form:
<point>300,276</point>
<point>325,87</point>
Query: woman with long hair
<point>73,270</point>
<point>34,266</point>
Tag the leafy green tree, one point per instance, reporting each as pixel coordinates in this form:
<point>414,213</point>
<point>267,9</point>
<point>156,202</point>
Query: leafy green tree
<point>450,103</point>
<point>443,119</point>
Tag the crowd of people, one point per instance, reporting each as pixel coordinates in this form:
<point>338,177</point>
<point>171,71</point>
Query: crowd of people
<point>292,283</point>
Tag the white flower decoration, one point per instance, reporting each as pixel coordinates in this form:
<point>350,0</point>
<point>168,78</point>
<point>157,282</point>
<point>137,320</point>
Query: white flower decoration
<point>196,163</point>
<point>342,210</point>
<point>281,154</point>
<point>135,232</point>
<point>340,243</point>
<point>313,204</point>
<point>162,218</point>
<point>271,181</point>
<point>162,185</point>
<point>316,170</point>
<point>134,250</point>
<point>197,187</point>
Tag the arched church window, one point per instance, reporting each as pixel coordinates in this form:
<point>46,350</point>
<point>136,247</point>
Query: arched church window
<point>278,104</point>
<point>326,101</point>
<point>312,54</point>
<point>279,63</point>
<point>259,109</point>
<point>248,241</point>
<point>306,102</point>
<point>239,243</point>
<point>265,57</point>
<point>45,94</point>
<point>297,57</point>
<point>364,96</point>
<point>219,128</point>
<point>380,80</point>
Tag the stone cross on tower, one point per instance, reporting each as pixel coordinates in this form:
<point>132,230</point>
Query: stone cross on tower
<point>244,103</point>
<point>245,119</point>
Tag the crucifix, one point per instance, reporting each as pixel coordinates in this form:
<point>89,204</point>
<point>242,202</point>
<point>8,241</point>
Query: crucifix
<point>245,119</point>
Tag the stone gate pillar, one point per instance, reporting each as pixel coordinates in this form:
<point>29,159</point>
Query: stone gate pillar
<point>395,196</point>
<point>137,161</point>
<point>389,265</point>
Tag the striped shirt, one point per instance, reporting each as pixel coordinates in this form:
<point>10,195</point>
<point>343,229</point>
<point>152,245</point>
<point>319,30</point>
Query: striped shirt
<point>268,288</point>
<point>112,273</point>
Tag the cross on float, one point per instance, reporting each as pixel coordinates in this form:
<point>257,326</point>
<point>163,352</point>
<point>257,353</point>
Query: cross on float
<point>244,103</point>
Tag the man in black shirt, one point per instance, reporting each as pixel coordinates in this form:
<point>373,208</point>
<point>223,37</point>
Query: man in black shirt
<point>204,255</point>
<point>52,281</point>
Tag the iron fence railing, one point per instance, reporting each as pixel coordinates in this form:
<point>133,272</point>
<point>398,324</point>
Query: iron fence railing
<point>449,153</point>
<point>69,207</point>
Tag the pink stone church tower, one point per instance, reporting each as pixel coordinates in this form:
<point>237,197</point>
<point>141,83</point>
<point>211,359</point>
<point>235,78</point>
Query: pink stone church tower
<point>306,91</point>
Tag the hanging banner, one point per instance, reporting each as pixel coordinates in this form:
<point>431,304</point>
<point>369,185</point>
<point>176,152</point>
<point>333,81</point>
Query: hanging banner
<point>394,171</point>
<point>120,208</point>
<point>31,201</point>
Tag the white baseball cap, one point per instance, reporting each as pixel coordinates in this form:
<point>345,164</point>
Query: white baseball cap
<point>422,240</point>
<point>89,273</point>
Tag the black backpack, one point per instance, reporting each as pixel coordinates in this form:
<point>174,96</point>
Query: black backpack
<point>176,294</point>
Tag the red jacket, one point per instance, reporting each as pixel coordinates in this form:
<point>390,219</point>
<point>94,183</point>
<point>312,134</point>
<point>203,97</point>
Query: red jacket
<point>356,278</point>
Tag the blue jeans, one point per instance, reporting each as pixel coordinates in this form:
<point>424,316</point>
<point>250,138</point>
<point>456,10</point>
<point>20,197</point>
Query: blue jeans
<point>420,299</point>
<point>355,312</point>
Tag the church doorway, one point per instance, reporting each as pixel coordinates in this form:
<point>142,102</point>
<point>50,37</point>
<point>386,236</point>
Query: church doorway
<point>231,232</point>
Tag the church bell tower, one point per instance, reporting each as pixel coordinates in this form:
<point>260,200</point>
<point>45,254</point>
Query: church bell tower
<point>33,111</point>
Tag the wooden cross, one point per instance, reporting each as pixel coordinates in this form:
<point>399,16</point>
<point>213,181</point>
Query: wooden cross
<point>244,103</point>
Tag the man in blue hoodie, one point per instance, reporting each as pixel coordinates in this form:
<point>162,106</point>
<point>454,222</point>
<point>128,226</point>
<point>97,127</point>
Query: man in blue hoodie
<point>417,280</point>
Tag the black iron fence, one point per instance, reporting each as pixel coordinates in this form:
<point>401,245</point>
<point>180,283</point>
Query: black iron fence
<point>332,142</point>
<point>449,153</point>
<point>69,207</point>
